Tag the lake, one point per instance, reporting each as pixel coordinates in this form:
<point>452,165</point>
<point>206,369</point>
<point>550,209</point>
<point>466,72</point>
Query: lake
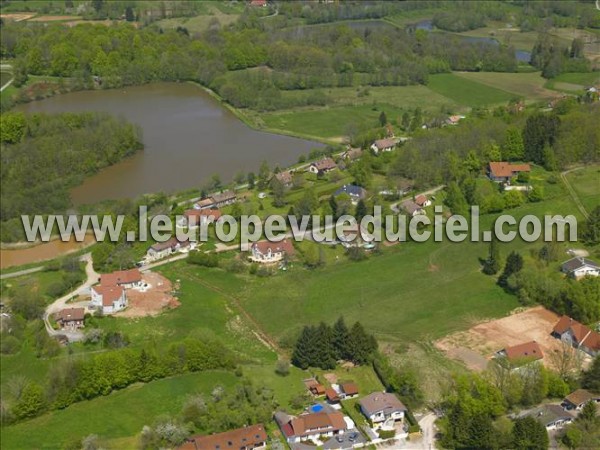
<point>188,136</point>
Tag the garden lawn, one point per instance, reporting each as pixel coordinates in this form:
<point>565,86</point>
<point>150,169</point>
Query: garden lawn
<point>120,414</point>
<point>467,92</point>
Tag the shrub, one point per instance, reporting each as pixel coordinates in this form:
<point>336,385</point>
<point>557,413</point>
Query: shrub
<point>9,345</point>
<point>386,434</point>
<point>282,368</point>
<point>203,259</point>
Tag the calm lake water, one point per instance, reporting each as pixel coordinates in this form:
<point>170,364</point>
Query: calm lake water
<point>188,136</point>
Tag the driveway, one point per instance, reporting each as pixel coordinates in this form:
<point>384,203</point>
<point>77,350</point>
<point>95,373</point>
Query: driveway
<point>62,302</point>
<point>334,443</point>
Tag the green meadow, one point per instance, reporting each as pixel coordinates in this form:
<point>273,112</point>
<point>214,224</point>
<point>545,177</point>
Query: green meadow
<point>586,183</point>
<point>467,92</point>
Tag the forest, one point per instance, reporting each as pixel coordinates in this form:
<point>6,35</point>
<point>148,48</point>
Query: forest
<point>44,155</point>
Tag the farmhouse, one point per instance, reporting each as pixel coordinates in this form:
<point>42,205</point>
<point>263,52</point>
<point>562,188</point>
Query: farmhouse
<point>578,335</point>
<point>70,318</point>
<point>577,399</point>
<point>522,354</point>
<point>580,267</point>
<point>124,278</point>
<point>108,299</point>
<point>285,178</point>
<point>323,166</point>
<point>270,252</point>
<point>311,425</point>
<point>383,145</point>
<point>422,201</point>
<point>503,172</point>
<point>412,208</point>
<point>381,407</point>
<point>551,416</point>
<point>246,438</point>
<point>162,249</point>
<point>356,193</point>
<point>352,154</point>
<point>258,3</point>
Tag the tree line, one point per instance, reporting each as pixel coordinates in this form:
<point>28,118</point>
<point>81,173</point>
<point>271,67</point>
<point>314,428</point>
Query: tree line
<point>80,379</point>
<point>323,345</point>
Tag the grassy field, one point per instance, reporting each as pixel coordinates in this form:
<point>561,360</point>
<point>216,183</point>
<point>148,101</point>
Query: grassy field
<point>224,13</point>
<point>120,414</point>
<point>586,184</point>
<point>467,92</point>
<point>202,309</point>
<point>527,85</point>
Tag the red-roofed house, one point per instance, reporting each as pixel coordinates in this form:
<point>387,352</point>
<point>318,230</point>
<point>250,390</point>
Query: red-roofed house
<point>108,299</point>
<point>124,278</point>
<point>270,252</point>
<point>522,354</point>
<point>258,3</point>
<point>196,217</point>
<point>70,318</point>
<point>422,201</point>
<point>578,335</point>
<point>246,438</point>
<point>310,426</point>
<point>503,172</point>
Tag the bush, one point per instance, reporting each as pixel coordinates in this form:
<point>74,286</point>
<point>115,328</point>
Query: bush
<point>234,266</point>
<point>282,368</point>
<point>9,345</point>
<point>264,271</point>
<point>386,434</point>
<point>203,259</point>
<point>356,254</point>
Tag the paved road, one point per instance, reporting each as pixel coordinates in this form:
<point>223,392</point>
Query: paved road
<point>21,272</point>
<point>6,68</point>
<point>427,441</point>
<point>61,303</point>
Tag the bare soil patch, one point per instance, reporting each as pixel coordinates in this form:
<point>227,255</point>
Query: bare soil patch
<point>53,18</point>
<point>477,345</point>
<point>17,17</point>
<point>151,301</point>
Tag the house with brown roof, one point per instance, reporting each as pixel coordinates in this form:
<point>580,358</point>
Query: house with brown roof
<point>322,166</point>
<point>266,252</point>
<point>332,396</point>
<point>503,172</point>
<point>163,249</point>
<point>383,145</point>
<point>286,178</point>
<point>381,407</point>
<point>352,154</point>
<point>310,426</point>
<point>411,208</point>
<point>124,278</point>
<point>522,354</point>
<point>580,267</point>
<point>108,299</point>
<point>577,399</point>
<point>196,217</point>
<point>70,318</point>
<point>577,335</point>
<point>216,200</point>
<point>315,388</point>
<point>349,389</point>
<point>246,438</point>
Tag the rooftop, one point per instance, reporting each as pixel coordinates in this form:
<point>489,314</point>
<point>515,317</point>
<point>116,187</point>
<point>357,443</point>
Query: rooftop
<point>246,437</point>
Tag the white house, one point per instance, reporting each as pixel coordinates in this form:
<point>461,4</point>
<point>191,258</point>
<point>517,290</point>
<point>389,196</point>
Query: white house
<point>382,406</point>
<point>270,252</point>
<point>108,299</point>
<point>580,267</point>
<point>577,335</point>
<point>163,249</point>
